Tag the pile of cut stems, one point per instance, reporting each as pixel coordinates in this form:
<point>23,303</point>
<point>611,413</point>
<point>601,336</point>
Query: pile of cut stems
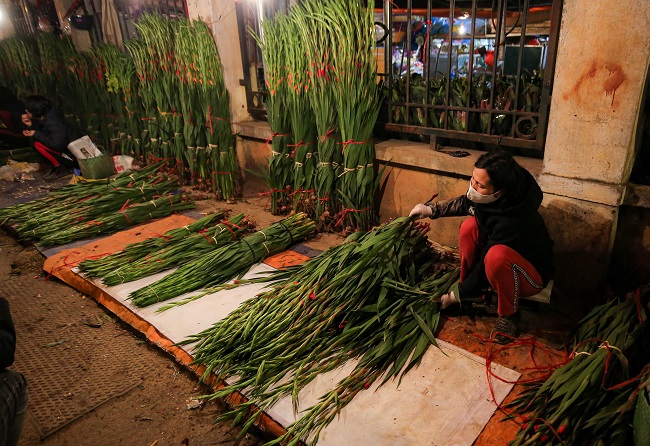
<point>128,216</point>
<point>228,262</point>
<point>376,298</point>
<point>76,192</point>
<point>591,398</point>
<point>165,99</point>
<point>73,212</point>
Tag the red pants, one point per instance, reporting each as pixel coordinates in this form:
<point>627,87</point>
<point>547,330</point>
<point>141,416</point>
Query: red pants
<point>509,274</point>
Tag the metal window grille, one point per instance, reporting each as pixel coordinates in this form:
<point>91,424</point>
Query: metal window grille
<point>472,70</point>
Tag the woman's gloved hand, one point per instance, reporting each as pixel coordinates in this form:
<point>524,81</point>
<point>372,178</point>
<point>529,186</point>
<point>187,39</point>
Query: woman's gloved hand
<point>448,299</point>
<point>421,211</point>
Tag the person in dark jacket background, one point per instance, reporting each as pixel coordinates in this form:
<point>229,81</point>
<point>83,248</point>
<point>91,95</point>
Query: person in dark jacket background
<point>504,244</point>
<point>11,109</point>
<point>50,135</point>
<point>13,387</point>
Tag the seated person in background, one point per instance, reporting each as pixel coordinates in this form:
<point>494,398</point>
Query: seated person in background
<point>50,135</point>
<point>13,387</point>
<point>11,109</point>
<point>504,244</point>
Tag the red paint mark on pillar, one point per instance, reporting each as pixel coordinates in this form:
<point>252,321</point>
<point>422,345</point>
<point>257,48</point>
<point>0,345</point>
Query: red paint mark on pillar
<point>588,74</point>
<point>614,80</point>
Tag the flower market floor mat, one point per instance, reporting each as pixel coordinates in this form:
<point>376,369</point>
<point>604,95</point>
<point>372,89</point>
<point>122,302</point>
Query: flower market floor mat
<point>444,401</point>
<point>87,374</point>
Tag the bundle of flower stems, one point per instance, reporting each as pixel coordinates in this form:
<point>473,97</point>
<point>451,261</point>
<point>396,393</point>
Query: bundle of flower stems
<point>591,400</point>
<point>127,216</point>
<point>376,298</point>
<point>147,73</point>
<point>215,106</point>
<point>121,86</point>
<point>319,51</point>
<point>134,265</point>
<point>303,123</point>
<point>228,262</point>
<point>187,71</point>
<point>52,52</point>
<point>280,172</point>
<point>350,26</point>
<point>133,251</point>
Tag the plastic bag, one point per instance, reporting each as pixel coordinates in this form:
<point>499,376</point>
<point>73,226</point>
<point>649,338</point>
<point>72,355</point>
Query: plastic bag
<point>123,163</point>
<point>7,173</point>
<point>23,167</point>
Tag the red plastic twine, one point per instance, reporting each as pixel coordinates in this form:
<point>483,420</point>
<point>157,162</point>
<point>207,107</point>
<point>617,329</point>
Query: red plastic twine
<point>301,190</point>
<point>347,211</point>
<point>230,225</point>
<point>270,138</point>
<point>270,193</point>
<point>345,144</point>
<point>301,143</point>
<point>327,135</point>
<point>209,117</point>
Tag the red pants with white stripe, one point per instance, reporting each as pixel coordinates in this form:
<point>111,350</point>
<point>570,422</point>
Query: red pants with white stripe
<point>509,274</point>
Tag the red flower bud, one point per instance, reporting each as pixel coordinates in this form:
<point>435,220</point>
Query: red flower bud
<point>536,428</point>
<point>366,385</point>
<point>342,324</point>
<point>562,429</point>
<point>524,426</point>
<point>543,438</point>
<point>312,296</point>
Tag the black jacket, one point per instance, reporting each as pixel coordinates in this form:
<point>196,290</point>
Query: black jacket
<point>7,336</point>
<point>53,131</point>
<point>511,221</point>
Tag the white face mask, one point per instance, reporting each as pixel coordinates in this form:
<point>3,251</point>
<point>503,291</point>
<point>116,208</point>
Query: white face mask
<point>479,198</point>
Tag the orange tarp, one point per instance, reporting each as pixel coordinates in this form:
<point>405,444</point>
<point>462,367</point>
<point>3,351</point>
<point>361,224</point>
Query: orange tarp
<point>61,264</point>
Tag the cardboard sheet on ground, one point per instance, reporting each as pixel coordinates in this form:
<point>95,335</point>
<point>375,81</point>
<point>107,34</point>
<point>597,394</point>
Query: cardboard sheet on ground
<point>445,401</point>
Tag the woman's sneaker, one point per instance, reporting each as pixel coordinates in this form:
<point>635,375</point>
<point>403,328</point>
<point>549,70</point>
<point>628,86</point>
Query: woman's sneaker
<point>505,330</point>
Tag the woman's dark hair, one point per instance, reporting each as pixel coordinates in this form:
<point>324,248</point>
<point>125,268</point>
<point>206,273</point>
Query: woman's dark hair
<point>504,172</point>
<point>37,105</point>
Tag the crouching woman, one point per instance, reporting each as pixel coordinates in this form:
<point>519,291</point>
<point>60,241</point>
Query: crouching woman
<point>504,244</point>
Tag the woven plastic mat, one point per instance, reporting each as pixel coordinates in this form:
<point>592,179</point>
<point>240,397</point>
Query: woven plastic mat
<point>80,363</point>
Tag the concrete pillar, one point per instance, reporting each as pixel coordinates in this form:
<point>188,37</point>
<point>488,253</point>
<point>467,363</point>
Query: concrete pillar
<point>222,18</point>
<point>600,72</point>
